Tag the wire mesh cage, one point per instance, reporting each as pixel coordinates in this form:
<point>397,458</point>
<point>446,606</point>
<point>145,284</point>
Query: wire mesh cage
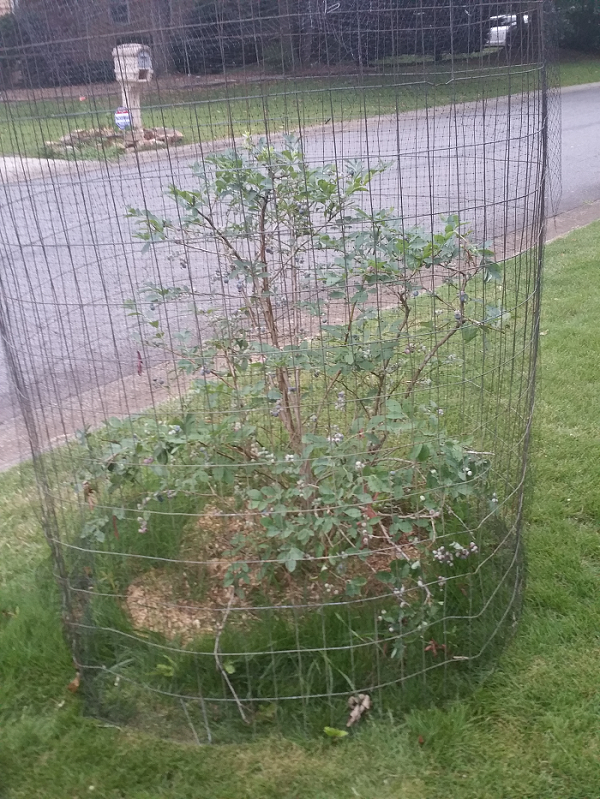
<point>269,302</point>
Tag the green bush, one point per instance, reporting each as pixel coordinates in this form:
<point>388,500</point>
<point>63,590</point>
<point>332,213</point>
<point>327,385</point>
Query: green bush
<point>319,311</point>
<point>579,25</point>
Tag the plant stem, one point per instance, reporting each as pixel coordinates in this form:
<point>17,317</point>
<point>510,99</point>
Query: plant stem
<point>219,663</point>
<point>431,354</point>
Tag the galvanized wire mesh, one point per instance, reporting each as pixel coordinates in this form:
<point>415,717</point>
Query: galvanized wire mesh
<point>273,346</point>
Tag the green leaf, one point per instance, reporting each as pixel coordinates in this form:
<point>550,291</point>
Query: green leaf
<point>399,648</point>
<point>229,667</point>
<point>161,454</point>
<point>353,588</point>
<point>394,410</point>
<point>469,332</point>
<point>400,569</point>
<point>492,272</point>
<point>360,296</point>
<point>400,427</point>
<point>420,452</point>
<point>375,484</point>
<point>364,499</point>
<point>403,526</point>
<point>497,317</point>
<point>333,732</point>
<point>291,557</point>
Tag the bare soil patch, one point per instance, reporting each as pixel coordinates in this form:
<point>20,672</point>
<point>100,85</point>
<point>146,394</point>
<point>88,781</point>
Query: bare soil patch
<point>195,601</point>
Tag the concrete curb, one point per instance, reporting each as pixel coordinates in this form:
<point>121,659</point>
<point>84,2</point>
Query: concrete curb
<point>576,86</point>
<point>560,225</point>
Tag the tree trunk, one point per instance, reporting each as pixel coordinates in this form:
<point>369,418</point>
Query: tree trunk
<point>308,30</point>
<point>286,28</point>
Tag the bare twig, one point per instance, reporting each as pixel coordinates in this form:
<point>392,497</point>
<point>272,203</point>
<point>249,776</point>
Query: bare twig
<point>219,663</point>
<point>431,354</point>
<point>220,235</point>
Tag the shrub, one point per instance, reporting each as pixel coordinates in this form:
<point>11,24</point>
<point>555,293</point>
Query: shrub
<point>314,317</point>
<point>579,25</point>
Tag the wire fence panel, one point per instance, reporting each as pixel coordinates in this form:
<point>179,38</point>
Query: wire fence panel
<point>269,305</point>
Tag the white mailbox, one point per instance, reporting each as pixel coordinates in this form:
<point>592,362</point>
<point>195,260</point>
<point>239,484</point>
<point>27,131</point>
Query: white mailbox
<point>133,70</point>
<point>133,63</point>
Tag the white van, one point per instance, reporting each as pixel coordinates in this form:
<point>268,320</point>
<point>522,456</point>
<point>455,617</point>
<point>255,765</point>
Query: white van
<point>500,26</point>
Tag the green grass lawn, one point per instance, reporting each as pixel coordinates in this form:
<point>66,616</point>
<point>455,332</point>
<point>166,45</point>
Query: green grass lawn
<point>578,68</point>
<point>285,105</point>
<point>213,113</point>
<point>531,731</point>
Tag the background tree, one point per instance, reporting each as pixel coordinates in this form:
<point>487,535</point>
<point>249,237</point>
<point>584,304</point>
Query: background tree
<point>578,25</point>
<point>11,39</point>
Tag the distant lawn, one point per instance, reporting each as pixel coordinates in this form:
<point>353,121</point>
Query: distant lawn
<point>576,68</point>
<point>206,114</point>
<point>532,731</point>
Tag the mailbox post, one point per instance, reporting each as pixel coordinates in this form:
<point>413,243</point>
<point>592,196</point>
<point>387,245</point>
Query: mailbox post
<point>133,69</point>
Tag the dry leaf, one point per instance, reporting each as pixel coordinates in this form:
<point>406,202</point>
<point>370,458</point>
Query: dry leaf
<point>434,647</point>
<point>358,705</point>
<point>421,740</point>
<point>73,686</point>
<point>89,495</point>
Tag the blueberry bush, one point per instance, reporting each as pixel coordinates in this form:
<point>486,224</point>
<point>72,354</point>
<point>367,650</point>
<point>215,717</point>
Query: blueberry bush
<point>309,362</point>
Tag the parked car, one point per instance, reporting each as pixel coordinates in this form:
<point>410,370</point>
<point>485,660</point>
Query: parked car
<point>501,26</point>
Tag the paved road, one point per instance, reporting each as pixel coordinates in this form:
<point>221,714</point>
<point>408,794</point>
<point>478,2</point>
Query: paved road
<point>70,260</point>
<point>580,146</point>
